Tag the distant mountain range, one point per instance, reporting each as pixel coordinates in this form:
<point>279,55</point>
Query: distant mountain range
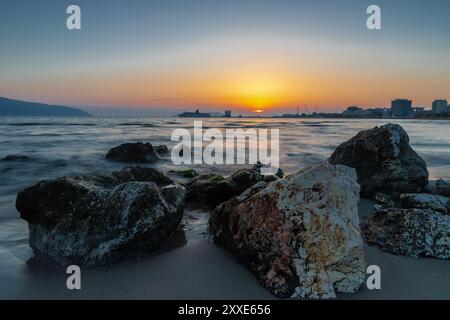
<point>16,108</point>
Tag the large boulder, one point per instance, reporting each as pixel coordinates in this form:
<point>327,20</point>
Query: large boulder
<point>133,152</point>
<point>97,220</point>
<point>425,201</point>
<point>443,187</point>
<point>300,236</point>
<point>214,189</point>
<point>384,161</point>
<point>409,232</point>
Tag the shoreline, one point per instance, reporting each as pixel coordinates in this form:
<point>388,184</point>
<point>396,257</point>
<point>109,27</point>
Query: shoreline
<point>190,266</point>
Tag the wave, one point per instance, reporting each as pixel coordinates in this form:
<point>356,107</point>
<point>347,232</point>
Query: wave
<point>139,124</point>
<point>30,124</point>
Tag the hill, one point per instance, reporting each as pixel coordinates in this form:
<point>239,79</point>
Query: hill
<point>16,108</point>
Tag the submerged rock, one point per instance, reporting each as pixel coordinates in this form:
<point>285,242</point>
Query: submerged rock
<point>409,232</point>
<point>425,201</point>
<point>97,220</point>
<point>300,236</point>
<point>443,187</point>
<point>14,157</point>
<point>133,152</point>
<point>384,161</point>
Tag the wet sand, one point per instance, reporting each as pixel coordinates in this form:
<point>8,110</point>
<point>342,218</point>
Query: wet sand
<point>192,267</point>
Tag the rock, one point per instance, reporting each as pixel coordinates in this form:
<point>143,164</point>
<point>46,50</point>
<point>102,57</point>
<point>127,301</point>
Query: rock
<point>98,220</point>
<point>425,201</point>
<point>14,157</point>
<point>384,161</point>
<point>384,200</point>
<point>409,232</point>
<point>133,152</point>
<point>189,173</point>
<point>300,236</point>
<point>270,178</point>
<point>213,189</point>
<point>443,187</point>
<point>200,188</point>
<point>163,149</point>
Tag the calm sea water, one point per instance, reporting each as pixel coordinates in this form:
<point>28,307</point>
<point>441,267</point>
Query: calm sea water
<point>72,146</point>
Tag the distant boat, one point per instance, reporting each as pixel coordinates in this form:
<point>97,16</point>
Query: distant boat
<point>16,108</point>
<point>196,114</point>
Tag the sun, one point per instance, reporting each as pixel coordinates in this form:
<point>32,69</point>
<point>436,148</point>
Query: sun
<point>259,92</point>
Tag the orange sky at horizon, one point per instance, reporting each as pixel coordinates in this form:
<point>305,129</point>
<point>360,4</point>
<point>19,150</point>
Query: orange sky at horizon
<point>217,76</point>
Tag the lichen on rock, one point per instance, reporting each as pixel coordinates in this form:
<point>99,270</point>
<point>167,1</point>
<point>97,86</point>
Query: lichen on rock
<point>300,236</point>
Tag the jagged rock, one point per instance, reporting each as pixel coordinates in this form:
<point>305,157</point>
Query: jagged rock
<point>14,157</point>
<point>443,187</point>
<point>300,236</point>
<point>133,152</point>
<point>409,232</point>
<point>384,161</point>
<point>425,201</point>
<point>200,188</point>
<point>97,220</point>
<point>214,189</point>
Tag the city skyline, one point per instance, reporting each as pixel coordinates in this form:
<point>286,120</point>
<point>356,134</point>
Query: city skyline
<point>270,56</point>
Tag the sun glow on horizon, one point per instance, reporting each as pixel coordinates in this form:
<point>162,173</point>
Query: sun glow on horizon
<point>259,111</point>
<point>258,92</point>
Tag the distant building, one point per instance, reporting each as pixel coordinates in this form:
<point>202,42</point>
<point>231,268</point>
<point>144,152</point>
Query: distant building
<point>196,114</point>
<point>417,111</point>
<point>401,108</point>
<point>353,109</point>
<point>227,113</point>
<point>440,107</point>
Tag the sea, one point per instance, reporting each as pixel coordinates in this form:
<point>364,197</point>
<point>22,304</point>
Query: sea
<point>59,147</point>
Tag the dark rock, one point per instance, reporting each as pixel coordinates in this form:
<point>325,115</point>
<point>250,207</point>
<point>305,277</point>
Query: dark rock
<point>163,149</point>
<point>133,152</point>
<point>425,201</point>
<point>142,174</point>
<point>409,232</point>
<point>200,188</point>
<point>443,187</point>
<point>189,173</point>
<point>300,236</point>
<point>384,200</point>
<point>271,178</point>
<point>213,189</point>
<point>98,220</point>
<point>384,161</point>
<point>14,157</point>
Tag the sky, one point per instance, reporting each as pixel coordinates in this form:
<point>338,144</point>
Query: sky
<point>145,56</point>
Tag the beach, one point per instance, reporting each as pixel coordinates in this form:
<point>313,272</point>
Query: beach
<point>190,265</point>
